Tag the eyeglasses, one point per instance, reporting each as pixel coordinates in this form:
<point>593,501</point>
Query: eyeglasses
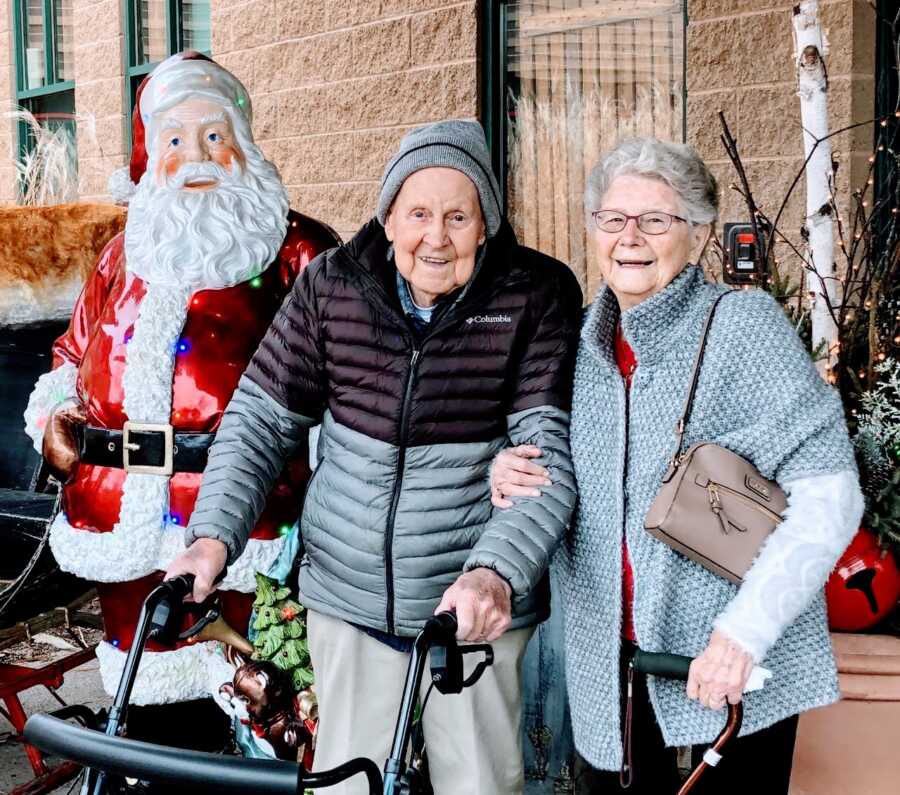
<point>652,223</point>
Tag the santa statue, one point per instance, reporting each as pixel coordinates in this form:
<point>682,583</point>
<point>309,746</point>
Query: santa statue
<point>159,337</point>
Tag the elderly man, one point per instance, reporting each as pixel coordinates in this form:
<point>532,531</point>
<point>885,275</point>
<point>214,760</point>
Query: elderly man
<point>423,346</point>
<point>163,329</point>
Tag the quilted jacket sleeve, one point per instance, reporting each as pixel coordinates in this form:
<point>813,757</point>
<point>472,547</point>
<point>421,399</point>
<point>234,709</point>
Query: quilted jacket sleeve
<point>519,541</point>
<point>279,397</point>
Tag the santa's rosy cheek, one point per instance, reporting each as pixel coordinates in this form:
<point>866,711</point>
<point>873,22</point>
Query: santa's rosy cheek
<point>226,156</point>
<point>170,165</point>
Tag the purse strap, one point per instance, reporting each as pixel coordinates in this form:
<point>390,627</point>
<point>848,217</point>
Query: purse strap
<point>695,377</point>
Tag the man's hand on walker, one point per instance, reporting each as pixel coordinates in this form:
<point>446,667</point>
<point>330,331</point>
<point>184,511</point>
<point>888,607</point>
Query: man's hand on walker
<point>482,601</point>
<point>720,673</point>
<point>513,474</point>
<point>205,559</point>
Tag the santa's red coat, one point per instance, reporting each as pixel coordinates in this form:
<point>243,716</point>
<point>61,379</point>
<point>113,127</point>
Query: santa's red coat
<point>222,331</point>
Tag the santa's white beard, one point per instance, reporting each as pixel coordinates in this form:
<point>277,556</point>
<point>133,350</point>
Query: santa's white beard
<point>207,239</point>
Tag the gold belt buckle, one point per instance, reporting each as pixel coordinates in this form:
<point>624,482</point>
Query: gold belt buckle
<point>128,447</point>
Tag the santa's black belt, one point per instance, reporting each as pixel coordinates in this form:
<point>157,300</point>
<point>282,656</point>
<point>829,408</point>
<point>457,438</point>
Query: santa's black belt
<point>143,447</point>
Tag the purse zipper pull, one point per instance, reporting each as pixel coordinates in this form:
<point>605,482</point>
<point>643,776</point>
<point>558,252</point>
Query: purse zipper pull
<point>715,504</point>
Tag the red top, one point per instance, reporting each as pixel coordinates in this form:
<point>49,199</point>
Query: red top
<point>627,365</point>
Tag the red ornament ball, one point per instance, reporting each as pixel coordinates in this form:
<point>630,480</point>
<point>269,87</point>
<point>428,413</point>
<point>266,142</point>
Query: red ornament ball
<point>864,586</point>
<point>288,613</point>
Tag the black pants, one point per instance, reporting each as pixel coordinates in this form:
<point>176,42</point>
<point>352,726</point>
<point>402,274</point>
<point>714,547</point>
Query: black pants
<point>759,763</point>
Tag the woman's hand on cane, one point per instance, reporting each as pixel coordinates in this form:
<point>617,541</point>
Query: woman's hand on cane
<point>719,673</point>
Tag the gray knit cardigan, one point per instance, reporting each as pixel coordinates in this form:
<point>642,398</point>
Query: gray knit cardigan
<point>760,396</point>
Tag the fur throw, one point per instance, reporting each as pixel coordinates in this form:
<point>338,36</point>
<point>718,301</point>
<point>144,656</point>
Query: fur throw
<point>46,253</point>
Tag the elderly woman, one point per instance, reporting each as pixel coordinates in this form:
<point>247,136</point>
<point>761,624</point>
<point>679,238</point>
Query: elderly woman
<point>422,346</point>
<point>651,207</point>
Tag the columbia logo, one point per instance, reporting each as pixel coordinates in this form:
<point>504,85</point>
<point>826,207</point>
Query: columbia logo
<point>488,319</point>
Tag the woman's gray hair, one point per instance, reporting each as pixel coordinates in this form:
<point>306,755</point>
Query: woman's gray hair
<point>678,165</point>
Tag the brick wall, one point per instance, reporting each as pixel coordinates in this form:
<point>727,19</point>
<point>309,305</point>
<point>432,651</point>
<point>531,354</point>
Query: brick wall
<point>740,55</point>
<point>99,94</point>
<point>7,91</point>
<point>336,83</point>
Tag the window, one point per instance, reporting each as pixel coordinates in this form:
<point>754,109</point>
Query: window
<point>563,81</point>
<point>154,30</point>
<point>45,87</point>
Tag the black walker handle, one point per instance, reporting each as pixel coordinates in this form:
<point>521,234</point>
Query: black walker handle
<point>203,772</point>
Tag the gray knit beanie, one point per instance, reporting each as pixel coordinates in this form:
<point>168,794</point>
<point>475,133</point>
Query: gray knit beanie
<point>454,144</point>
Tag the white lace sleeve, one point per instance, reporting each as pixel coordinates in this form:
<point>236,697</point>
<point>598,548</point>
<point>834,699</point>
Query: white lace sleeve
<point>50,390</point>
<point>821,518</point>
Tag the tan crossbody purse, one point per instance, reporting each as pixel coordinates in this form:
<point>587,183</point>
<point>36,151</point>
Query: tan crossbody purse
<point>713,506</point>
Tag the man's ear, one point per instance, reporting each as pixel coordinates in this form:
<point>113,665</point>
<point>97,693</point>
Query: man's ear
<point>389,225</point>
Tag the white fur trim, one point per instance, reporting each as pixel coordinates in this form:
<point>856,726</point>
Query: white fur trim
<point>120,186</point>
<point>132,548</point>
<point>51,389</point>
<point>163,677</point>
<point>821,518</point>
<point>121,556</point>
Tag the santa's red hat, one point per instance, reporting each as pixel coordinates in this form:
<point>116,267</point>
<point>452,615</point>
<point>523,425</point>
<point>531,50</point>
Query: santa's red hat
<point>185,75</point>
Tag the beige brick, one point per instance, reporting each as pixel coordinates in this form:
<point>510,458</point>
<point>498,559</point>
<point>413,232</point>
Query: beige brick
<point>381,47</point>
<point>8,183</point>
<point>460,90</point>
<point>93,174</point>
<point>445,35</point>
<point>96,22</point>
<point>317,159</point>
<point>346,13</point>
<point>100,97</point>
<point>98,60</point>
<point>245,64</point>
<point>864,24</point>
<point>344,206</point>
<point>291,69</point>
<point>404,98</point>
<point>325,58</point>
<point>223,30</point>
<point>707,9</point>
<point>770,182</point>
<point>391,8</point>
<point>297,18</point>
<point>305,111</point>
<point>769,122</point>
<point>265,116</point>
<point>837,20</point>
<point>257,24</point>
<point>725,54</point>
<point>102,137</point>
<point>704,127</point>
<point>372,149</point>
<point>6,81</point>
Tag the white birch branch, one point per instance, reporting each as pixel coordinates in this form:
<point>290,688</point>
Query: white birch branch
<point>811,47</point>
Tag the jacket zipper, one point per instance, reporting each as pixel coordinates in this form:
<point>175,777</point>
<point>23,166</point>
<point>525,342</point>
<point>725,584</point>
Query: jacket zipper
<point>395,496</point>
<point>450,317</point>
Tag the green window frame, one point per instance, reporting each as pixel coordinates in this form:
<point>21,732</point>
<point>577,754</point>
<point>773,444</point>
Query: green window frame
<point>138,64</point>
<point>53,101</point>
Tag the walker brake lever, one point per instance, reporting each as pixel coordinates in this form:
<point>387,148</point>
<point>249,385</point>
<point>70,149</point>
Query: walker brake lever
<point>447,667</point>
<point>213,611</point>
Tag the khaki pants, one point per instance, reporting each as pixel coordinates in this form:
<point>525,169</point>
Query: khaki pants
<point>473,738</point>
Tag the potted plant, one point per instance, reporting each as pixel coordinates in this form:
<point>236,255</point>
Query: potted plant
<point>851,746</point>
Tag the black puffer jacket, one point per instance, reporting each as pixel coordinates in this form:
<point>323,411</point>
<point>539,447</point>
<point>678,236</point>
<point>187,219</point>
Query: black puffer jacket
<point>399,504</point>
